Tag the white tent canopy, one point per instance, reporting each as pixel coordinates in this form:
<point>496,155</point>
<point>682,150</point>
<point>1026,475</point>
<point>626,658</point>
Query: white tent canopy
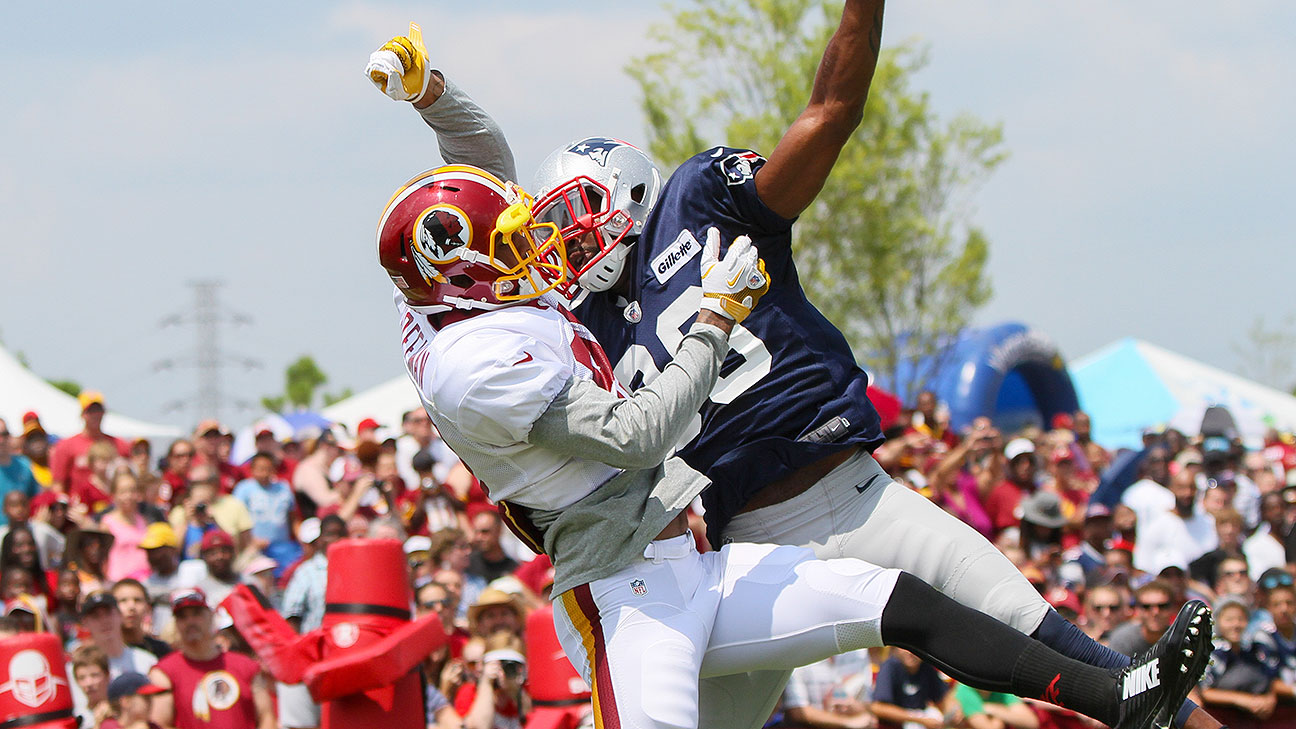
<point>385,403</point>
<point>60,413</point>
<point>1131,385</point>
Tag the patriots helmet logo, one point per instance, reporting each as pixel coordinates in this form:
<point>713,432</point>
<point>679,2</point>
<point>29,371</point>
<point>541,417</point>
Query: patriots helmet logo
<point>596,148</point>
<point>741,166</point>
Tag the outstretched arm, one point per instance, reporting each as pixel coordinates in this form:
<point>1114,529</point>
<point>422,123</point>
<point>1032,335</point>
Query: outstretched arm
<point>799,165</point>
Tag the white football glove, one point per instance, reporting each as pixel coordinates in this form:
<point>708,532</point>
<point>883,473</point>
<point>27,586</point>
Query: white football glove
<point>400,68</point>
<point>731,286</point>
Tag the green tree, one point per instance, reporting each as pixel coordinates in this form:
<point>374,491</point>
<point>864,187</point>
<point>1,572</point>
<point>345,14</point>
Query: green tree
<point>887,251</point>
<point>71,387</point>
<point>302,378</point>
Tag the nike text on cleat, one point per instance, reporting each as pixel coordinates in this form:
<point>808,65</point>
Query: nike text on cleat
<point>1155,684</point>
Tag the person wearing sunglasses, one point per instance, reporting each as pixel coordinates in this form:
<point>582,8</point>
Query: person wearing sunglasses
<point>1105,608</point>
<point>1155,605</point>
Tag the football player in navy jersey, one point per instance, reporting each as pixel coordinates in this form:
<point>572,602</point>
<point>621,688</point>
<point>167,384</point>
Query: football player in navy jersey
<point>787,433</point>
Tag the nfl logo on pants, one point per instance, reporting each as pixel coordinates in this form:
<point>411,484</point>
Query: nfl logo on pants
<point>638,587</point>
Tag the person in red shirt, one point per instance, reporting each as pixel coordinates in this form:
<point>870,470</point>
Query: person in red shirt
<point>497,698</point>
<point>933,423</point>
<point>211,450</point>
<point>69,463</point>
<point>1003,502</point>
<point>210,688</point>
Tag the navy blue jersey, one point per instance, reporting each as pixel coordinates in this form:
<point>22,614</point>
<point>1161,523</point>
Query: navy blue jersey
<point>789,372</point>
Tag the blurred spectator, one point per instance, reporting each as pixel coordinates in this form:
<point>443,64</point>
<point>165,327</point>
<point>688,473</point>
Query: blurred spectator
<point>964,478</point>
<point>162,550</point>
<point>1073,487</point>
<point>204,509</point>
<point>451,551</point>
<point>1177,536</point>
<point>15,471</point>
<point>495,610</point>
<point>273,509</point>
<point>1277,636</point>
<point>1019,482</point>
<point>35,446</point>
<point>87,553</point>
<point>1266,548</point>
<point>210,688</point>
<point>418,434</point>
<point>1228,538</point>
<point>141,456</point>
<point>127,526</point>
<point>834,693</point>
<point>1105,607</point>
<point>211,449</point>
<point>1041,529</point>
<point>1148,496</point>
<point>311,480</point>
<point>488,559</point>
<point>909,690</point>
<point>933,421</point>
<point>175,476</point>
<point>18,551</point>
<point>130,701</point>
<point>70,466</point>
<point>303,603</point>
<point>67,591</point>
<point>1096,455</point>
<point>1239,675</point>
<point>417,556</point>
<point>50,542</point>
<point>433,597</point>
<point>433,506</point>
<point>1154,609</point>
<point>137,617</point>
<point>1232,578</point>
<point>214,572</point>
<point>496,700</point>
<point>303,607</point>
<point>89,671</point>
<point>1085,561</point>
<point>102,620</point>
<point>992,710</point>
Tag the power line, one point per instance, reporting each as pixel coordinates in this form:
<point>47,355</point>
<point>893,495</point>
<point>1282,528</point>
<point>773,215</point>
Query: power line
<point>207,358</point>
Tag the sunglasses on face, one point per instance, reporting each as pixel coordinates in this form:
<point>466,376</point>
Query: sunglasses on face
<point>433,604</point>
<point>1106,608</point>
<point>1154,606</point>
<point>1233,573</point>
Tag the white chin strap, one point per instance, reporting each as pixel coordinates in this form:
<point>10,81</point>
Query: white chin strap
<point>607,271</point>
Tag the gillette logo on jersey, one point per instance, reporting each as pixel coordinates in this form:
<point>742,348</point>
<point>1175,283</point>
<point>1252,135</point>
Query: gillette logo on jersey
<point>596,148</point>
<point>673,259</point>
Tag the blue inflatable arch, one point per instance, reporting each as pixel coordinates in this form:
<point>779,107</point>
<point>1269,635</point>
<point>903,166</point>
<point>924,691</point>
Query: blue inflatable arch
<point>1009,372</point>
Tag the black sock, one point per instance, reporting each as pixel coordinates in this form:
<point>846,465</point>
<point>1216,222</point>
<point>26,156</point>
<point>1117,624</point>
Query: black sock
<point>1058,633</point>
<point>975,649</point>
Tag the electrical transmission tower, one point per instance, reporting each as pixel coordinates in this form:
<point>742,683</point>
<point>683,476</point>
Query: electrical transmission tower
<point>208,359</point>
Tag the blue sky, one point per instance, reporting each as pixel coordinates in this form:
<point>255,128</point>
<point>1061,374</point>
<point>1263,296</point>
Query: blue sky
<point>146,144</point>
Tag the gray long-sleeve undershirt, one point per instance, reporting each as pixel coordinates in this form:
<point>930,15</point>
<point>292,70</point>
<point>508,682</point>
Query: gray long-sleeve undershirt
<point>468,135</point>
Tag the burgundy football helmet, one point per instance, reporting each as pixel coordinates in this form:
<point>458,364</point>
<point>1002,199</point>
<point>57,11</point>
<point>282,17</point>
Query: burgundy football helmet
<point>458,237</point>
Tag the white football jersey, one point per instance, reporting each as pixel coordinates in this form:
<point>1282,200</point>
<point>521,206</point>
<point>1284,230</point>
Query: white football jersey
<point>486,379</point>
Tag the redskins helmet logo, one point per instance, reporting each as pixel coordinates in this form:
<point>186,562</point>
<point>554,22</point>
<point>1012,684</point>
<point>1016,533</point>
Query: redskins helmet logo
<point>442,231</point>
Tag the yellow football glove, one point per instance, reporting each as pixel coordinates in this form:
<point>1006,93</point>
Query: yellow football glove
<point>731,286</point>
<point>400,68</point>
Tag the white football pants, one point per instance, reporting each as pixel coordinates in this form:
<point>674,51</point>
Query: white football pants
<point>645,637</point>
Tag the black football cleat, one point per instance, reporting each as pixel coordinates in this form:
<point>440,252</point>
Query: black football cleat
<point>1155,683</point>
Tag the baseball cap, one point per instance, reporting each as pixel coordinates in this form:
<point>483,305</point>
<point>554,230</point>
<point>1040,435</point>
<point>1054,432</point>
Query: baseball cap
<point>367,424</point>
<point>1189,457</point>
<point>259,563</point>
<point>31,423</point>
<point>132,684</point>
<point>215,538</point>
<point>97,599</point>
<point>21,604</point>
<point>1018,447</point>
<point>308,531</point>
<point>159,534</point>
<point>417,543</point>
<point>210,425</point>
<point>90,397</point>
<point>1062,598</point>
<point>1062,421</point>
<point>188,597</point>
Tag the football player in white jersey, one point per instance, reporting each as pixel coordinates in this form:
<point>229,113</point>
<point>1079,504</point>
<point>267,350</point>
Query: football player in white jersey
<point>528,400</point>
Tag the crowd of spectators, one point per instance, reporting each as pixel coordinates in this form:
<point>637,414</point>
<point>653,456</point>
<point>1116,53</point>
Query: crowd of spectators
<point>126,554</point>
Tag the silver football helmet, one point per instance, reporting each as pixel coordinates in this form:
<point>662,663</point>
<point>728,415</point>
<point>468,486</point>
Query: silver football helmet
<point>597,185</point>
